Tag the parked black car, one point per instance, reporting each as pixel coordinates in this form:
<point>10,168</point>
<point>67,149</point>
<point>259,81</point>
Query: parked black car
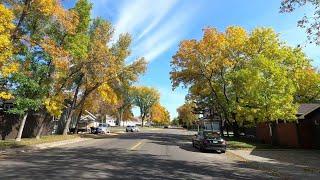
<point>209,140</point>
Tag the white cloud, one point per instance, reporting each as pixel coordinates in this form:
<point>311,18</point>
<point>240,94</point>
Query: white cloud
<point>161,11</point>
<point>156,50</point>
<point>153,25</point>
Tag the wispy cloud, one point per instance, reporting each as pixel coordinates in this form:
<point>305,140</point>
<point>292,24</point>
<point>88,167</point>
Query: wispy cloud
<point>155,26</point>
<point>158,15</point>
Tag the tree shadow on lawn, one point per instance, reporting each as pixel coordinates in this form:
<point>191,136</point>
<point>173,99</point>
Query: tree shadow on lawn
<point>99,163</point>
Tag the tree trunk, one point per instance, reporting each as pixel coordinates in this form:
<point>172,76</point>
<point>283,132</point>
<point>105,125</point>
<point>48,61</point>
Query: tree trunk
<point>227,128</point>
<point>235,128</point>
<point>142,121</point>
<point>21,127</point>
<point>40,131</point>
<point>78,119</point>
<point>222,127</point>
<point>66,127</point>
<point>73,105</point>
<point>43,123</point>
<point>120,119</point>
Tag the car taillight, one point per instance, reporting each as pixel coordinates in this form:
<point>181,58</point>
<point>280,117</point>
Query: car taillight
<point>223,142</point>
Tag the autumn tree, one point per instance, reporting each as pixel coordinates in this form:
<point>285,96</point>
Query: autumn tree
<point>145,98</point>
<point>121,88</point>
<point>159,115</point>
<point>32,37</point>
<point>223,68</point>
<point>6,49</point>
<point>103,64</point>
<point>203,66</point>
<point>186,115</point>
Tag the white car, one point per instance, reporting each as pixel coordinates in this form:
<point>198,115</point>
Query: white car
<point>102,129</point>
<point>132,128</point>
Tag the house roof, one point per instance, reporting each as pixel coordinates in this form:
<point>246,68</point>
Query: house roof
<point>305,109</point>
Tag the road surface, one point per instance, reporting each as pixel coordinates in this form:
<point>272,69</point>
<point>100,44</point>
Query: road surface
<point>157,154</point>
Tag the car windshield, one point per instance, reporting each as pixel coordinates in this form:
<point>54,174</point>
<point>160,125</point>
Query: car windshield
<point>211,135</point>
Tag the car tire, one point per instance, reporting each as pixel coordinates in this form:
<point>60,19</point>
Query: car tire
<point>193,144</point>
<point>126,130</point>
<point>201,149</point>
<point>223,151</point>
<point>131,130</point>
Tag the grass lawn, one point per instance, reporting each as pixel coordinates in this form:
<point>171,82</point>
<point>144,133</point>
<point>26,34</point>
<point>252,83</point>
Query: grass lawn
<point>242,143</point>
<point>33,141</point>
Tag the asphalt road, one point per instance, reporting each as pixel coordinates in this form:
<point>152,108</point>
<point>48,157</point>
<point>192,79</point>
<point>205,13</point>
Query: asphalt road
<point>160,154</point>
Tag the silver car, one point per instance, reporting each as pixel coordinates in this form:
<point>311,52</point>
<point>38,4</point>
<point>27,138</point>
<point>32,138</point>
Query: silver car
<point>102,129</point>
<point>132,128</point>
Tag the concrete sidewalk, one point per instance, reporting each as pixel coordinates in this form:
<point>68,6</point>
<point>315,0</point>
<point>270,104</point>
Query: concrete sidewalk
<point>286,163</point>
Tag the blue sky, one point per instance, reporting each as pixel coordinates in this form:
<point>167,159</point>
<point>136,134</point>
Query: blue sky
<point>157,27</point>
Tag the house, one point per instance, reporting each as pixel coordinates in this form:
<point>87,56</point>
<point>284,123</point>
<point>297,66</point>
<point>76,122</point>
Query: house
<point>133,121</point>
<point>110,121</point>
<point>209,120</point>
<point>87,121</point>
<point>304,133</point>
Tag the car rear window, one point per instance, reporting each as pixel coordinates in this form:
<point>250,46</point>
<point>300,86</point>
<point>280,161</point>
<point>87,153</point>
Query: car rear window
<point>211,135</point>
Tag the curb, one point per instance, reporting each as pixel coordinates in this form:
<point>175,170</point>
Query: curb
<point>59,143</point>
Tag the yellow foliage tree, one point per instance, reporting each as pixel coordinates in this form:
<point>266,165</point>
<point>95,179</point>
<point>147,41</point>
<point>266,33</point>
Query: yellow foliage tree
<point>6,48</point>
<point>159,115</point>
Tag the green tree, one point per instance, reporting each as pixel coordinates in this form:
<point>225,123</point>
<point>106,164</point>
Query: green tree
<point>175,122</point>
<point>145,98</point>
<point>265,91</point>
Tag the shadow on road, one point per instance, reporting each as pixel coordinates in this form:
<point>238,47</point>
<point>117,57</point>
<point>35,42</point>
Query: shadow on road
<point>114,163</point>
<point>99,163</point>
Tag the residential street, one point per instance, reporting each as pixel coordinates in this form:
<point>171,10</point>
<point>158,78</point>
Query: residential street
<point>153,154</point>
